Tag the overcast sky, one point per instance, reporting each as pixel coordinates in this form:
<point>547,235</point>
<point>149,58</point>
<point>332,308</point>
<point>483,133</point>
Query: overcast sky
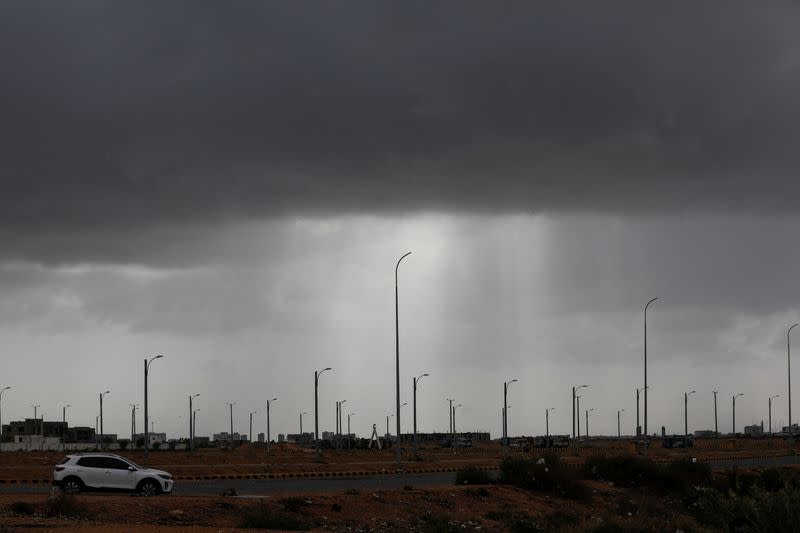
<point>231,184</point>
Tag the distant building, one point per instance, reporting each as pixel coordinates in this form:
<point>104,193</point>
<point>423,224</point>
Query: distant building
<point>299,438</point>
<point>227,437</point>
<point>261,438</point>
<point>328,435</point>
<point>154,437</point>
<point>754,430</point>
<point>703,434</point>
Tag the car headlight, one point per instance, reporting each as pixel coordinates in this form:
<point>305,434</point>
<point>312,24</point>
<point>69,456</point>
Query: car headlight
<point>165,476</point>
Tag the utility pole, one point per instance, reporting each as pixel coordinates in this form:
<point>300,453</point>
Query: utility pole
<point>230,405</point>
<point>547,425</point>
<point>269,402</point>
<point>770,412</point>
<point>416,380</point>
<point>317,373</point>
<point>789,377</point>
<point>146,435</point>
<point>450,412</point>
<point>578,407</point>
<point>250,438</point>
<point>64,422</point>
<point>645,363</point>
<point>716,426</point>
<point>102,433</point>
<point>619,428</point>
<point>397,358</point>
<point>686,413</point>
<point>133,422</point>
<point>587,424</point>
<point>733,422</point>
<point>191,422</point>
<point>576,414</point>
<point>1,413</point>
<point>505,414</point>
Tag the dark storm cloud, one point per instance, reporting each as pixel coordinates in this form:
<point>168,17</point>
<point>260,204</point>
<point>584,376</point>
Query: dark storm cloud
<point>169,113</point>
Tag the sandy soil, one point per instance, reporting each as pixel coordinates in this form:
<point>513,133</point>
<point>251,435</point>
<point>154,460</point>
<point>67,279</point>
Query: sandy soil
<point>467,508</point>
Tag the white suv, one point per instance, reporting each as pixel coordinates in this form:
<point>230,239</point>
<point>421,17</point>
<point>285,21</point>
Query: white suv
<point>105,471</point>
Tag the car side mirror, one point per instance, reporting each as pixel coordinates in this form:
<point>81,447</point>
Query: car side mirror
<point>131,469</point>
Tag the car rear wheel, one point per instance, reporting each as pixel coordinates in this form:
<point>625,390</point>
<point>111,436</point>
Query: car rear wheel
<point>149,487</point>
<point>71,485</point>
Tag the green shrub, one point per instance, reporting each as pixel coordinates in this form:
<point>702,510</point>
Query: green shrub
<point>529,474</point>
<point>25,508</point>
<point>65,505</point>
<point>471,475</point>
<point>262,517</point>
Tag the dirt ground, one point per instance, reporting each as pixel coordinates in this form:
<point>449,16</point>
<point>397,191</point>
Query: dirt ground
<point>286,458</point>
<point>486,508</point>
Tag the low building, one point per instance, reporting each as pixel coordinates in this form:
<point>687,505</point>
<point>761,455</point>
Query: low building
<point>159,438</point>
<point>754,430</point>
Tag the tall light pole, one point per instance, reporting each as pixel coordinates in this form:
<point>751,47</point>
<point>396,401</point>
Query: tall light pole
<point>102,433</point>
<point>230,405</point>
<point>348,422</point>
<point>789,377</point>
<point>397,352</point>
<point>146,434</point>
<point>638,426</point>
<point>454,417</point>
<point>587,423</point>
<point>645,363</point>
<point>36,418</point>
<point>317,373</point>
<point>619,427</point>
<point>733,422</point>
<point>716,426</point>
<point>686,413</point>
<point>578,409</point>
<point>64,422</point>
<point>133,407</point>
<point>547,425</point>
<point>770,411</point>
<point>416,380</point>
<point>194,423</point>
<point>339,419</point>
<point>450,413</point>
<point>191,421</point>
<point>388,435</point>
<point>269,403</point>
<point>250,437</point>
<point>301,422</point>
<point>505,413</point>
<point>1,413</point>
<point>576,413</point>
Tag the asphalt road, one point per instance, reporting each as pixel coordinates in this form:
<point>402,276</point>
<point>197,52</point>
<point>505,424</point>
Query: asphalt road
<point>260,487</point>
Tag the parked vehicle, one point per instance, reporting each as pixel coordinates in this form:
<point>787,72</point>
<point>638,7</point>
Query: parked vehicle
<point>108,472</point>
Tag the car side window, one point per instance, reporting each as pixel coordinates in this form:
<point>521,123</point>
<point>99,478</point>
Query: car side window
<point>91,462</point>
<point>115,464</point>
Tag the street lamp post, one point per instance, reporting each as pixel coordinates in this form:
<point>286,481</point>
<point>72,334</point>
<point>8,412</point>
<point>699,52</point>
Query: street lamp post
<point>619,427</point>
<point>578,408</point>
<point>576,429</point>
<point>317,373</point>
<point>339,420</point>
<point>733,421</point>
<point>348,422</point>
<point>454,417</point>
<point>645,362</point>
<point>450,414</point>
<point>194,422</point>
<point>388,435</point>
<point>716,426</point>
<point>505,413</point>
<point>301,422</point>
<point>686,413</point>
<point>770,412</point>
<point>250,437</point>
<point>191,421</point>
<point>397,352</point>
<point>146,434</point>
<point>547,425</point>
<point>587,424</point>
<point>1,413</point>
<point>102,433</point>
<point>416,380</point>
<point>789,377</point>
<point>133,407</point>
<point>64,425</point>
<point>269,403</point>
<point>230,405</point>
<point>638,426</point>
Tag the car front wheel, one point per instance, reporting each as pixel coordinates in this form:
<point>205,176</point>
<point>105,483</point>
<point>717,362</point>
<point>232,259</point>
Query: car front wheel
<point>148,487</point>
<point>71,485</point>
